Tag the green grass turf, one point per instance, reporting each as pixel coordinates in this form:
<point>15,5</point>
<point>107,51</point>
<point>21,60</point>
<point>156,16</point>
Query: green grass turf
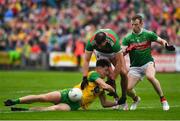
<point>14,84</point>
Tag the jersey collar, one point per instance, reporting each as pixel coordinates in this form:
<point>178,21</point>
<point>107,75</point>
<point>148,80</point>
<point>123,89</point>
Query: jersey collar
<point>139,32</point>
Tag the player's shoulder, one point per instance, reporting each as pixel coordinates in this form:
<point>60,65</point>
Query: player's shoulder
<point>148,31</point>
<point>92,72</point>
<point>128,35</point>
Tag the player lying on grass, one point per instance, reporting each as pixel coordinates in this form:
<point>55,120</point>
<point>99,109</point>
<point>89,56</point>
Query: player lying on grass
<point>95,85</point>
<point>138,45</point>
<point>62,102</point>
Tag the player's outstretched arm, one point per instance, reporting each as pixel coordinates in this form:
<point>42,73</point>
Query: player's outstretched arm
<point>87,58</point>
<point>106,103</point>
<point>165,44</point>
<point>104,86</point>
<point>85,67</point>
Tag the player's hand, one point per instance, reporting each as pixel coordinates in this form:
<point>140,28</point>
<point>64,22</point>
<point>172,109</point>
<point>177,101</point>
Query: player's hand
<point>122,100</point>
<point>96,89</point>
<point>114,94</point>
<point>113,84</point>
<point>84,82</point>
<point>169,47</point>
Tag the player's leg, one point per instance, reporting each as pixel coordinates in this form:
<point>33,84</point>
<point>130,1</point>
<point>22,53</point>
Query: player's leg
<point>122,70</point>
<point>132,82</point>
<point>150,74</point>
<point>123,74</point>
<point>58,107</point>
<point>53,97</point>
<point>124,77</point>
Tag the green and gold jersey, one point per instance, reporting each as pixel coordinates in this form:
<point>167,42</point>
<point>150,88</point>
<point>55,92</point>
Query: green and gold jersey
<point>141,44</point>
<point>112,46</point>
<point>92,91</point>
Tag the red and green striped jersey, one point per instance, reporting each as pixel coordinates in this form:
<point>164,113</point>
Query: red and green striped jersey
<point>112,46</point>
<point>141,44</point>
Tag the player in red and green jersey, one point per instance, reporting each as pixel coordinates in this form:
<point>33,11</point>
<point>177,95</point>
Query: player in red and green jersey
<point>105,44</point>
<point>138,45</point>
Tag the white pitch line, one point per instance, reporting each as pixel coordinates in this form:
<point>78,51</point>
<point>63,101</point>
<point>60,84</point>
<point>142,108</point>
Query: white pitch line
<point>144,107</point>
<point>28,91</point>
<point>149,107</point>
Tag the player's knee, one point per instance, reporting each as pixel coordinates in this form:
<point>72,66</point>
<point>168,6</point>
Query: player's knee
<point>150,77</point>
<point>124,73</point>
<point>61,108</point>
<point>129,88</point>
<point>42,98</point>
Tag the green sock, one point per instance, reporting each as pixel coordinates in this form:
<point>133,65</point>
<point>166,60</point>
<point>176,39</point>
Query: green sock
<point>16,101</point>
<point>19,109</point>
<point>25,109</point>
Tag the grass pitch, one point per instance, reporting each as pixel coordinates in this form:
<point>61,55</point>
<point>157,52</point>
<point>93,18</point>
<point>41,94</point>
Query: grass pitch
<point>15,84</point>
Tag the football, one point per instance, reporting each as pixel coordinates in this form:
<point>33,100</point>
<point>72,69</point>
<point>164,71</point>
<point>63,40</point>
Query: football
<point>75,94</point>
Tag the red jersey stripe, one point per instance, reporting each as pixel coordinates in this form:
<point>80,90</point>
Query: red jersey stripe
<point>111,36</point>
<point>92,38</point>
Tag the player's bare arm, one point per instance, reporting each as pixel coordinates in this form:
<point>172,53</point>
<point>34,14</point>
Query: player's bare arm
<point>120,66</point>
<point>104,102</point>
<point>104,86</point>
<point>85,68</point>
<point>161,41</point>
<point>87,58</point>
<point>165,44</point>
<point>124,50</point>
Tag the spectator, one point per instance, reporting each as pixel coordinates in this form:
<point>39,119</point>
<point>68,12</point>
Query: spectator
<point>79,51</point>
<point>57,21</point>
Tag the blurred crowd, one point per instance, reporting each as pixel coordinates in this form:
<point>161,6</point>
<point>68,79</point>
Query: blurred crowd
<point>32,27</point>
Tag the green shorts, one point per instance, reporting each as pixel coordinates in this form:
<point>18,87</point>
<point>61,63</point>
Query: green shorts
<point>65,99</point>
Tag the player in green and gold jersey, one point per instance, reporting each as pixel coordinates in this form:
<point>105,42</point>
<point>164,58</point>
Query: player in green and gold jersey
<point>95,88</point>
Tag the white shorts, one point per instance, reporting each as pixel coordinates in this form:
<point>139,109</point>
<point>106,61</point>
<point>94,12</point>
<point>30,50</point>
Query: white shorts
<point>100,55</point>
<point>139,71</point>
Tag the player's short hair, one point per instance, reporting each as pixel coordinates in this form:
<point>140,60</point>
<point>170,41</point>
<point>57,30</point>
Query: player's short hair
<point>137,16</point>
<point>103,63</point>
<point>100,37</point>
